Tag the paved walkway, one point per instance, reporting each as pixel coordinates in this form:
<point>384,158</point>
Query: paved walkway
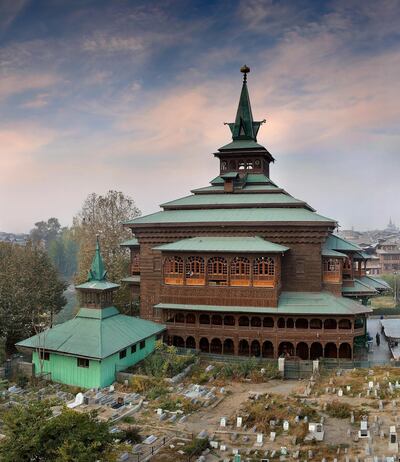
<point>382,352</point>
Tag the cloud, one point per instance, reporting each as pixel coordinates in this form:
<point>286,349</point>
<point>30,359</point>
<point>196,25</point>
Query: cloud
<point>18,83</point>
<point>103,43</point>
<point>9,10</point>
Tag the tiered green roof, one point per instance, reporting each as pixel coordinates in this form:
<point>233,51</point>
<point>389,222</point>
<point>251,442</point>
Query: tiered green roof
<point>223,244</point>
<point>300,303</point>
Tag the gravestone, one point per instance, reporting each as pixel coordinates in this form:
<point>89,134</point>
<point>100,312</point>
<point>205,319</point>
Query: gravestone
<point>272,436</point>
<point>393,443</point>
<point>259,440</point>
<point>222,422</point>
<point>239,421</point>
<point>285,426</point>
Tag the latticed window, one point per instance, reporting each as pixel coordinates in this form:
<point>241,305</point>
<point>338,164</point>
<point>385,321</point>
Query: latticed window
<point>331,265</point>
<point>264,272</point>
<point>173,270</point>
<point>135,263</point>
<point>240,271</point>
<point>195,274</point>
<point>217,269</point>
<point>347,268</point>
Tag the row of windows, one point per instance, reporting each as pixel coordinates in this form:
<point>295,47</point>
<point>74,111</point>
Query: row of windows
<point>241,164</point>
<point>122,353</point>
<point>84,362</point>
<point>257,321</point>
<point>194,270</point>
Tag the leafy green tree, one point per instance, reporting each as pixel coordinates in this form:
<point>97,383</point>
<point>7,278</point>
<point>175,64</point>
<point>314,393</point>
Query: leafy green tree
<point>105,215</point>
<point>45,231</point>
<point>33,434</point>
<point>31,291</point>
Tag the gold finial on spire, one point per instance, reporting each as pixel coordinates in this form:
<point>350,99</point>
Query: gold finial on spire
<point>245,70</point>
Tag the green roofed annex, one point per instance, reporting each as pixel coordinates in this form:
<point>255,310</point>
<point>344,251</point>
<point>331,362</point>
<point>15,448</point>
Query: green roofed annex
<point>99,341</point>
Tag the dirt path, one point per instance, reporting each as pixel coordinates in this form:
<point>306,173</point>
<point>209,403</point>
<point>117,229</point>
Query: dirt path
<point>209,418</point>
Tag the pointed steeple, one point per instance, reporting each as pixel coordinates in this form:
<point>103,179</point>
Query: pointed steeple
<point>244,127</point>
<point>97,271</point>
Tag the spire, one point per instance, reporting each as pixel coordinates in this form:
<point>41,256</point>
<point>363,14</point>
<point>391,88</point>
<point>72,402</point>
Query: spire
<point>97,271</point>
<point>244,127</point>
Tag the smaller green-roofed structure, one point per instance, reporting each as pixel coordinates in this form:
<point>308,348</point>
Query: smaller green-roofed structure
<point>88,350</point>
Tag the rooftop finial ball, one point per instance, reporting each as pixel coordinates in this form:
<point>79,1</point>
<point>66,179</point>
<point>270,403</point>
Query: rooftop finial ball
<point>245,69</point>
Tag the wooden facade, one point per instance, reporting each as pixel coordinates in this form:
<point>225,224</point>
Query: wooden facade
<point>190,280</point>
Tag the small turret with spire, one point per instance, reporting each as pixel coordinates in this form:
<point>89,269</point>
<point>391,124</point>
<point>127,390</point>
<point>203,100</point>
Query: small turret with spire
<point>97,291</point>
<point>243,155</point>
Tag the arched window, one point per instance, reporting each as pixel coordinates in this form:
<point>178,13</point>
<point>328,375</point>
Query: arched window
<point>217,269</point>
<point>330,324</point>
<point>244,321</point>
<point>249,165</point>
<point>216,320</point>
<point>240,271</point>
<point>345,324</point>
<point>255,321</point>
<point>190,318</point>
<point>289,323</point>
<point>268,322</point>
<point>195,275</point>
<point>180,317</point>
<point>173,271</point>
<point>204,319</point>
<point>264,272</point>
<point>281,323</point>
<point>229,320</point>
<point>241,164</point>
<point>315,324</point>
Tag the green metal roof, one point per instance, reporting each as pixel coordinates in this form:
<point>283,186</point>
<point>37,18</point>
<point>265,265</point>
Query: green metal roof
<point>362,256</point>
<point>97,285</point>
<point>247,215</point>
<point>227,176</point>
<point>359,288</point>
<point>241,144</point>
<point>94,333</point>
<point>223,244</point>
<point>234,199</point>
<point>332,253</point>
<point>130,243</point>
<point>135,279</point>
<point>376,283</point>
<point>338,243</point>
<point>238,190</point>
<point>250,178</point>
<point>295,303</point>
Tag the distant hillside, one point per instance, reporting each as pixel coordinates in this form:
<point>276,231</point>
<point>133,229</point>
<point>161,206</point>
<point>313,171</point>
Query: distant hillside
<point>18,238</point>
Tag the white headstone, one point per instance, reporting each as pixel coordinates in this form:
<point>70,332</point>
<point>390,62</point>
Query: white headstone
<point>112,388</point>
<point>239,421</point>
<point>159,411</point>
<point>222,447</point>
<point>260,437</point>
<point>285,426</point>
<point>340,393</point>
<point>370,385</point>
<point>272,436</point>
<point>222,422</point>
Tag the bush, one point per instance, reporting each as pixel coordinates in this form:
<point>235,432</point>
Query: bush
<point>196,447</point>
<point>338,410</point>
<point>131,434</point>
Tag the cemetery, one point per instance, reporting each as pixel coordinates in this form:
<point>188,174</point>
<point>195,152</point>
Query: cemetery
<point>340,415</point>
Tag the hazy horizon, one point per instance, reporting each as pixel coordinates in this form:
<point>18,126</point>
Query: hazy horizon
<point>132,96</point>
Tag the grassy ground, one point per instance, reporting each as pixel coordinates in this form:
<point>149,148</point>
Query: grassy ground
<point>386,301</point>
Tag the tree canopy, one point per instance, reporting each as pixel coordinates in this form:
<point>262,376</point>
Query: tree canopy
<point>104,215</point>
<point>31,291</point>
<point>33,434</point>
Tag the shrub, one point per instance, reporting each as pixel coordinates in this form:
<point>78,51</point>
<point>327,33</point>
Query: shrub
<point>196,447</point>
<point>338,410</point>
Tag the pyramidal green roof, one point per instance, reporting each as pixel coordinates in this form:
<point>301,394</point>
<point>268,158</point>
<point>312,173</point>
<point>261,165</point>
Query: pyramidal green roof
<point>97,273</point>
<point>94,333</point>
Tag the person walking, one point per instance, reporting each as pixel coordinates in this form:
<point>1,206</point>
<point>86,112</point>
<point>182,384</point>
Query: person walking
<point>378,339</point>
